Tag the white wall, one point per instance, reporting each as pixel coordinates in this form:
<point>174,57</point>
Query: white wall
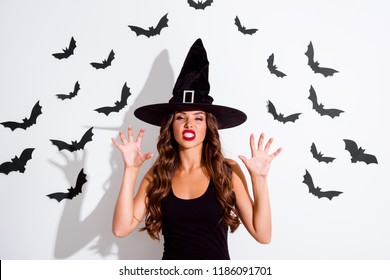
<point>350,36</point>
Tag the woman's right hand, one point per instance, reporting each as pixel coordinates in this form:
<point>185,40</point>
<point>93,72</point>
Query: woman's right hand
<point>130,149</point>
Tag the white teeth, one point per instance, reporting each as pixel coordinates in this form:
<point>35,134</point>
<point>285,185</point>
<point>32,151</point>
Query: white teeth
<point>188,135</point>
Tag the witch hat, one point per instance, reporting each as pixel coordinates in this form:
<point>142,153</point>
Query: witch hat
<point>191,92</point>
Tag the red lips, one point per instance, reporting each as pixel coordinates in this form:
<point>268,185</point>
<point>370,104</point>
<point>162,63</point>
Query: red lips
<point>189,135</point>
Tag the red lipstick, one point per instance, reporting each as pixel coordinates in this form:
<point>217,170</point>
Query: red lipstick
<point>189,135</point>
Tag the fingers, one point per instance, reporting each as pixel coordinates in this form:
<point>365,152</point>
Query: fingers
<point>130,133</point>
<point>140,135</point>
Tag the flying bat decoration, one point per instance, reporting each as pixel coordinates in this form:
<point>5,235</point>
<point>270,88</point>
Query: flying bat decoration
<point>315,66</point>
<point>281,117</point>
<point>152,31</point>
<point>320,156</point>
<point>199,5</point>
<point>74,145</point>
<point>119,105</point>
<point>67,51</point>
<point>272,67</point>
<point>26,122</point>
<point>72,191</point>
<point>357,153</point>
<point>71,94</point>
<point>243,29</point>
<point>105,63</point>
<point>317,191</point>
<point>319,108</point>
<point>17,163</point>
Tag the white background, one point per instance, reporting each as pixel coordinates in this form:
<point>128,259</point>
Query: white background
<point>349,36</point>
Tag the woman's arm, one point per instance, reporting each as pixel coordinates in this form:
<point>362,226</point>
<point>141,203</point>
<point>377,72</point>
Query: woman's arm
<point>255,214</point>
<point>130,210</point>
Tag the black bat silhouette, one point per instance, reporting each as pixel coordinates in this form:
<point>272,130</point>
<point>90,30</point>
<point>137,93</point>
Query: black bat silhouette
<point>105,63</point>
<point>199,5</point>
<point>319,108</point>
<point>320,156</point>
<point>243,29</point>
<point>27,122</point>
<point>152,31</point>
<point>316,191</point>
<point>67,51</point>
<point>314,65</point>
<point>71,94</point>
<point>72,191</point>
<point>280,117</point>
<point>357,153</point>
<point>119,105</point>
<point>272,67</point>
<point>17,163</point>
<point>74,146</point>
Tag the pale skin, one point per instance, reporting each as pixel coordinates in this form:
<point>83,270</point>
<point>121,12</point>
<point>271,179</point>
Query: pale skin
<point>189,180</point>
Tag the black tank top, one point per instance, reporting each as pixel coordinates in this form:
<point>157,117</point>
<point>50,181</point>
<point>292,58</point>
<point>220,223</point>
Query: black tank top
<point>192,228</point>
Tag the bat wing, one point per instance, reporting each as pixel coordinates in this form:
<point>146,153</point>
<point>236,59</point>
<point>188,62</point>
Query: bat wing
<point>314,151</point>
<point>351,147</point>
<point>367,158</point>
<point>105,110</point>
<point>13,125</point>
<point>313,98</point>
<point>59,196</point>
<point>308,180</point>
<point>310,55</point>
<point>140,31</point>
<point>61,145</point>
<point>193,4</point>
<point>237,22</point>
<point>328,194</point>
<point>163,22</point>
<point>272,110</point>
<point>7,167</point>
<point>87,137</point>
<point>98,65</point>
<point>81,180</point>
<point>205,4</point>
<point>325,71</point>
<point>331,112</point>
<point>291,118</point>
<point>111,57</point>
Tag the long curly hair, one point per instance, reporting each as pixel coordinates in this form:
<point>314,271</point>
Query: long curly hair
<point>214,164</point>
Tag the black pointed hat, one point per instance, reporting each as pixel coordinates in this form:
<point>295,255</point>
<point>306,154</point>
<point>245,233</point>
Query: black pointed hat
<point>191,92</point>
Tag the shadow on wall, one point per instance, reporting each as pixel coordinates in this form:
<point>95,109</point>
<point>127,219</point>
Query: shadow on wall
<point>95,230</point>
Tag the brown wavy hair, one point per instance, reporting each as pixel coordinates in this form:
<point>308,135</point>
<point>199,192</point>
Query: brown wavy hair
<point>214,164</point>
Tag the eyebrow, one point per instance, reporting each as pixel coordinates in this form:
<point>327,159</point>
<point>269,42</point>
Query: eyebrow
<point>190,112</point>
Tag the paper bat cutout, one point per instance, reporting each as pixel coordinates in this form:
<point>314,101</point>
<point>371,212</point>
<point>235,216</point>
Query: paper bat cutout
<point>119,105</point>
<point>199,5</point>
<point>320,156</point>
<point>316,191</point>
<point>319,108</point>
<point>243,29</point>
<point>74,145</point>
<point>314,65</point>
<point>17,163</point>
<point>357,153</point>
<point>71,94</point>
<point>27,122</point>
<point>280,117</point>
<point>152,31</point>
<point>67,51</point>
<point>272,67</point>
<point>105,63</point>
<point>72,191</point>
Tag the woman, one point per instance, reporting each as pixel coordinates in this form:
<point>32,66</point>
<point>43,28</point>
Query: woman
<point>192,194</point>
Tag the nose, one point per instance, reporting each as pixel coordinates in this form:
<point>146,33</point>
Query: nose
<point>188,124</point>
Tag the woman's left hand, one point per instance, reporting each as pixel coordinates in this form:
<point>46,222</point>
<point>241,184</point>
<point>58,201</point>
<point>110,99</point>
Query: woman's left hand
<point>260,162</point>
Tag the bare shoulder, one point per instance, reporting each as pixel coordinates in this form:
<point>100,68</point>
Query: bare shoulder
<point>238,174</point>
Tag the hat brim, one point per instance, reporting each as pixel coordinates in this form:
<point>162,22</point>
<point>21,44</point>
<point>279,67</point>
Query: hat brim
<point>227,117</point>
